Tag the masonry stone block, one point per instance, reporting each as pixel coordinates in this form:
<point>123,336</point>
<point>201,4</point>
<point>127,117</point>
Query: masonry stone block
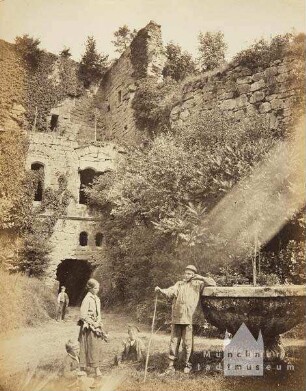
<point>257,96</point>
<point>265,107</point>
<point>258,76</point>
<point>258,85</point>
<point>243,88</point>
<point>244,80</point>
<point>277,104</point>
<point>228,104</point>
<point>242,101</point>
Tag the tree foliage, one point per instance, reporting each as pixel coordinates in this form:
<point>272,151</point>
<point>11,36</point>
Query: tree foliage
<point>159,194</point>
<point>14,199</point>
<point>179,64</point>
<point>93,64</point>
<point>65,53</point>
<point>264,52</point>
<point>152,104</point>
<point>212,49</point>
<point>28,48</point>
<point>123,38</point>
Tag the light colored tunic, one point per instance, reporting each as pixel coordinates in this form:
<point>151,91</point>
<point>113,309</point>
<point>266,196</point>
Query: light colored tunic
<point>91,308</point>
<point>185,298</point>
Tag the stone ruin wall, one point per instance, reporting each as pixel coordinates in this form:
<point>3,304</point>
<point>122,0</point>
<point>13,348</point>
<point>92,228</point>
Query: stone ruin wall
<point>236,90</point>
<point>144,58</point>
<point>71,147</point>
<point>60,155</point>
<point>240,91</point>
<point>111,100</point>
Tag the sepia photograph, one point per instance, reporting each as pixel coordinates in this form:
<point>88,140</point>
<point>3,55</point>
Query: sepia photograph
<point>152,195</point>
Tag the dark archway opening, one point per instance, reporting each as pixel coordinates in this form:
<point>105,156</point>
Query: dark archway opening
<point>74,274</point>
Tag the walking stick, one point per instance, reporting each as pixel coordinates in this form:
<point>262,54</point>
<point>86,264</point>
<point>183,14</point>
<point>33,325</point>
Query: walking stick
<point>150,340</point>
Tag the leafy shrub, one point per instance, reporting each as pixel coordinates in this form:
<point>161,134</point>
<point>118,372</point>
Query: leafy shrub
<point>263,52</point>
<point>153,103</point>
<point>268,279</point>
<point>288,264</point>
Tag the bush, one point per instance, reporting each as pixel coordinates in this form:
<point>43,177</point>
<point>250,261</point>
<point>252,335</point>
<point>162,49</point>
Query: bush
<point>24,301</point>
<point>263,52</point>
<point>288,264</point>
<point>153,103</point>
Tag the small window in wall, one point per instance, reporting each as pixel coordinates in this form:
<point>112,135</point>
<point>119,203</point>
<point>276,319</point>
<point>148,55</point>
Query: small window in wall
<point>99,239</point>
<point>54,121</point>
<point>108,108</point>
<point>86,179</point>
<point>119,96</point>
<point>125,127</point>
<point>39,177</point>
<point>83,239</point>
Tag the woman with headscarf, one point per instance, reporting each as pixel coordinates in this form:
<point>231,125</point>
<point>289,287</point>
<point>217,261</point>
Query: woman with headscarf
<point>91,331</point>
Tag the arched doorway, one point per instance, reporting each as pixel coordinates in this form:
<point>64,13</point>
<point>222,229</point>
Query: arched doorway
<point>74,274</point>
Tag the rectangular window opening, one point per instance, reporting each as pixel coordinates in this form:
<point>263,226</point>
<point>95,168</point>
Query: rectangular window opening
<point>54,121</point>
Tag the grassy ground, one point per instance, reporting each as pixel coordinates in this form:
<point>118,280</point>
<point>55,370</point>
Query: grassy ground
<point>24,301</point>
<point>31,360</point>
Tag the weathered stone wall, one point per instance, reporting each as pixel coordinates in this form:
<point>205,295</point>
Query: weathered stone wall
<point>145,57</point>
<point>71,146</point>
<point>60,155</point>
<point>240,91</point>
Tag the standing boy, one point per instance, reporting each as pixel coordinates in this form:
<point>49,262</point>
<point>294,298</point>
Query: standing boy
<point>63,302</point>
<point>185,295</point>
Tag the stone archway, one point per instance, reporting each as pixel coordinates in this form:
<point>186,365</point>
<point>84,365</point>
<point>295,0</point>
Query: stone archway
<point>74,274</point>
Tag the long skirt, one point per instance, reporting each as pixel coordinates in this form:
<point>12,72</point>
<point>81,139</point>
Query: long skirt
<point>90,348</point>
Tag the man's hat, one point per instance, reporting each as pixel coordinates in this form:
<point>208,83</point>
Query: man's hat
<point>192,268</point>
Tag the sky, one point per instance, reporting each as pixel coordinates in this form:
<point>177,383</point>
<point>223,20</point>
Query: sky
<point>67,23</point>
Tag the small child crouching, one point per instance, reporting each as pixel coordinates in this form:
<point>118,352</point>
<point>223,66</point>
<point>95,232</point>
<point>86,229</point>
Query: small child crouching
<point>72,377</point>
<point>133,347</point>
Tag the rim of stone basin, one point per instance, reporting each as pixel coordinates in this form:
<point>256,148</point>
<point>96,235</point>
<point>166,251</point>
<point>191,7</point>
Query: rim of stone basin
<point>254,291</point>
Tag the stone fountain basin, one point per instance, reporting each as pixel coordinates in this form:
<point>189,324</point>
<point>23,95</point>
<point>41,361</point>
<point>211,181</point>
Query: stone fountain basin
<point>271,309</point>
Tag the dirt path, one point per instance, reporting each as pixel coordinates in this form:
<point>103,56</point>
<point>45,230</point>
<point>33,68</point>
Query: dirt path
<point>27,348</point>
<point>31,347</point>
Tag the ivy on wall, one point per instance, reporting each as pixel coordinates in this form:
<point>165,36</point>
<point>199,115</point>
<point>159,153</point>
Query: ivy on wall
<point>53,80</point>
<point>39,224</point>
<point>139,54</point>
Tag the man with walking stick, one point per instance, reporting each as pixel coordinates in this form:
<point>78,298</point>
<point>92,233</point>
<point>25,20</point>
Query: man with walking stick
<point>185,295</point>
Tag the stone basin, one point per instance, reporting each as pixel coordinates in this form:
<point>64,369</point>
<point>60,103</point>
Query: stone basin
<point>271,309</point>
